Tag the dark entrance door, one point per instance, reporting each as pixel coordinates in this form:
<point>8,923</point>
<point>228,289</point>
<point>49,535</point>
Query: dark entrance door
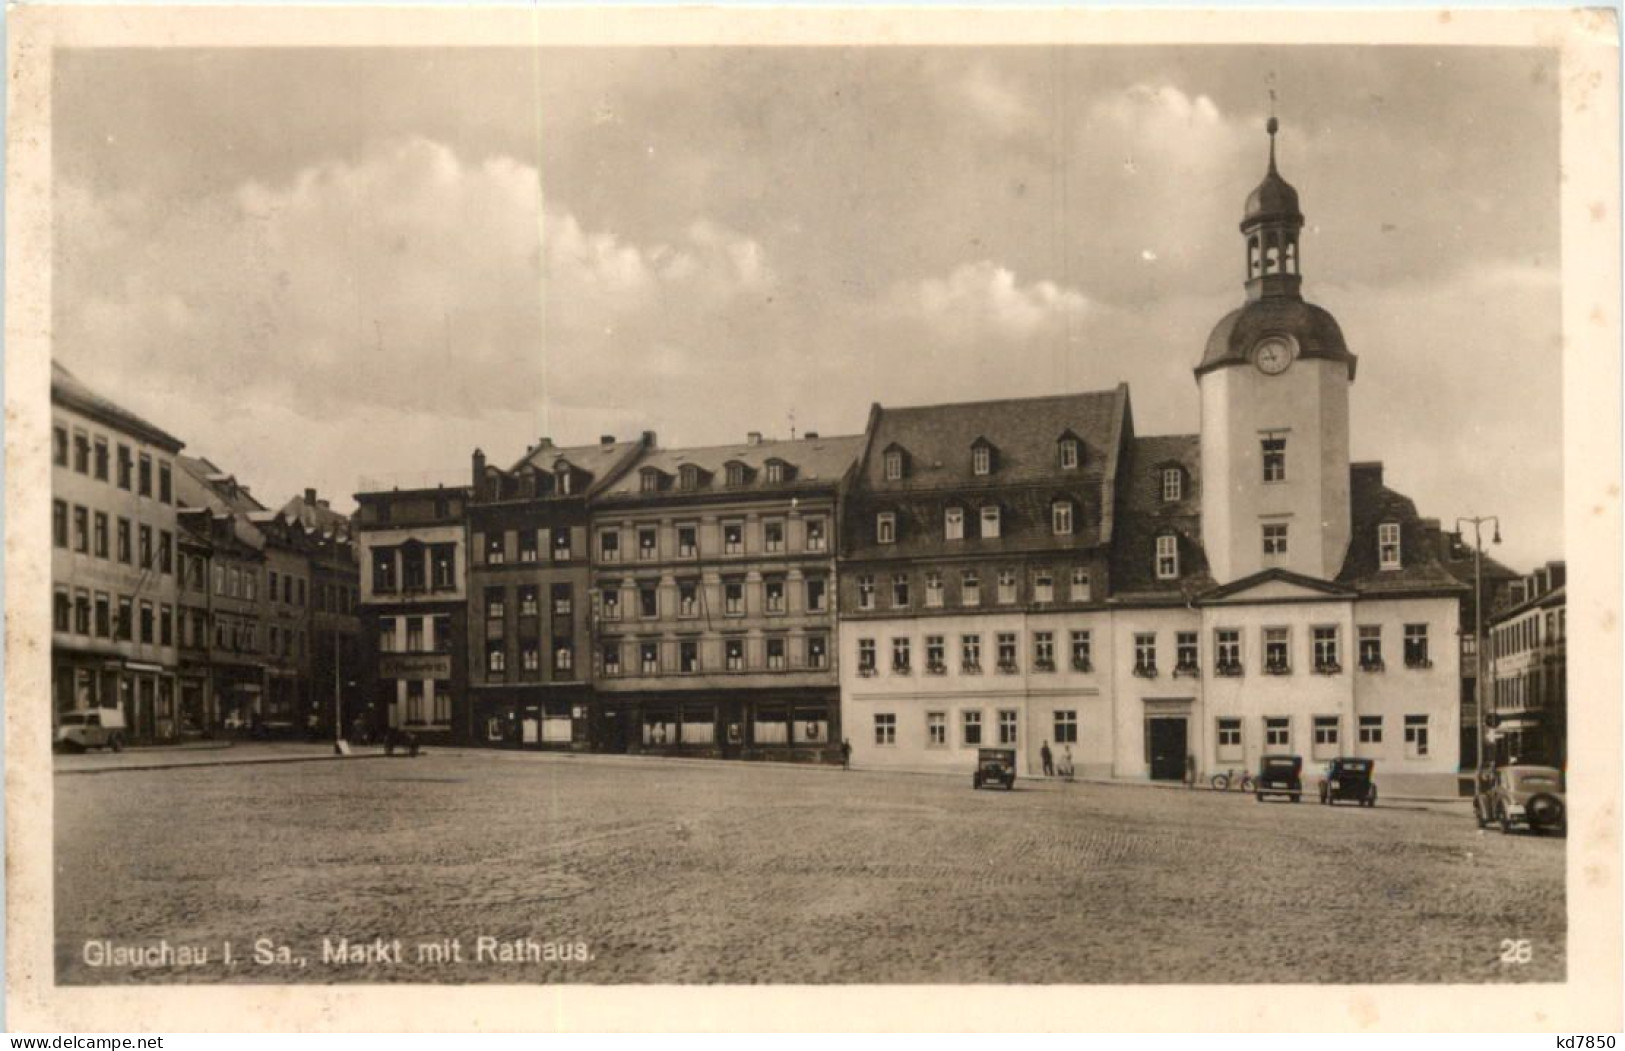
<point>1167,749</point>
<point>615,731</point>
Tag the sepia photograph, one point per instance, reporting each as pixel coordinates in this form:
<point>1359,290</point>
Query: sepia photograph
<point>580,509</point>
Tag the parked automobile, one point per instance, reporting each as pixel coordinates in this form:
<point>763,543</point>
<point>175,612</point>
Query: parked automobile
<point>1349,781</point>
<point>91,728</point>
<point>995,766</point>
<point>1280,775</point>
<point>1532,796</point>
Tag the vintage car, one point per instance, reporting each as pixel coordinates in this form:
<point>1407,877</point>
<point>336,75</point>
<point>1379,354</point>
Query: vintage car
<point>995,766</point>
<point>1279,775</point>
<point>1532,796</point>
<point>1349,781</point>
<point>90,728</point>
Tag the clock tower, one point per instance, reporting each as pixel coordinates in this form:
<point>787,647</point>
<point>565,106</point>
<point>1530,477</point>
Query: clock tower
<point>1274,385</point>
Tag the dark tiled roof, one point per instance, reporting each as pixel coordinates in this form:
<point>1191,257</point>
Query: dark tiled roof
<point>213,488</point>
<point>814,463</point>
<point>1316,331</point>
<point>1024,432</point>
<point>68,389</point>
<point>1143,515</point>
<point>315,518</point>
<point>600,461</point>
<point>1555,597</point>
<point>1372,504</point>
<point>1025,522</point>
<point>1264,576</point>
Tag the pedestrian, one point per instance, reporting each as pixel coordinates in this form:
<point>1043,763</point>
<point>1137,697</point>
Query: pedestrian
<point>1048,760</point>
<point>1190,770</point>
<point>846,753</point>
<point>1066,763</point>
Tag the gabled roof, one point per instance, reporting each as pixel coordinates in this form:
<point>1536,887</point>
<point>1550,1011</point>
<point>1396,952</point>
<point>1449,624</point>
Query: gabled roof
<point>819,463</point>
<point>602,464</point>
<point>316,518</point>
<point>1142,515</point>
<point>200,483</point>
<point>70,391</point>
<point>1372,504</point>
<point>1277,574</point>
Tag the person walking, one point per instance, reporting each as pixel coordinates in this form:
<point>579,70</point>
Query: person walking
<point>1048,759</point>
<point>846,753</point>
<point>1066,763</point>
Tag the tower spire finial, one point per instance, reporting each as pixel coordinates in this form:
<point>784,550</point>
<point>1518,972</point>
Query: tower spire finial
<point>1272,125</point>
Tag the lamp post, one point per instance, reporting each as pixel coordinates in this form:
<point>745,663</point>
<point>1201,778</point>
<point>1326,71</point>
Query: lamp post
<point>1478,624</point>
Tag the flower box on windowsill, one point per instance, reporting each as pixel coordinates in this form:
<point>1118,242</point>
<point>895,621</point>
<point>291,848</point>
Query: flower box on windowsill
<point>1146,671</point>
<point>1277,669</point>
<point>1007,668</point>
<point>1084,666</point>
<point>1328,668</point>
<point>1227,671</point>
<point>900,669</point>
<point>1373,666</point>
<point>1418,662</point>
<point>1186,669</point>
<point>971,668</point>
<point>1043,665</point>
<point>936,668</point>
<point>868,672</point>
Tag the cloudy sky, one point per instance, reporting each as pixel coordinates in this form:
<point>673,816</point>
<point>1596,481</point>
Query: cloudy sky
<point>346,267</point>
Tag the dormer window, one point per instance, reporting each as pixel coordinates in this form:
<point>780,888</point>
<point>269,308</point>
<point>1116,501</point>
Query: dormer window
<point>981,458</point>
<point>953,523</point>
<point>1069,454</point>
<point>1167,564</point>
<point>688,477</point>
<point>894,465</point>
<point>886,527</point>
<point>562,475</point>
<point>649,480</point>
<point>1173,484</point>
<point>1388,545</point>
<point>990,522</point>
<point>736,473</point>
<point>775,471</point>
<point>1061,517</point>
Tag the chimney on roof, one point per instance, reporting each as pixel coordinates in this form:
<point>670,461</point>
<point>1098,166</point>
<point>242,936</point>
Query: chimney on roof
<point>810,435</point>
<point>1558,572</point>
<point>323,504</point>
<point>479,472</point>
<point>753,438</point>
<point>606,439</point>
<point>310,496</point>
<point>544,442</point>
<point>649,439</point>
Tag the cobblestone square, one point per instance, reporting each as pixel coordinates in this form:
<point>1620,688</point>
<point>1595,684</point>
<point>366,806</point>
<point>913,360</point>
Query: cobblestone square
<point>669,871</point>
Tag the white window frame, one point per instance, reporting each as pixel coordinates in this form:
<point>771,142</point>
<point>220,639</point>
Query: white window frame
<point>893,460</point>
<point>1370,731</point>
<point>1081,585</point>
<point>1061,517</point>
<point>1389,554</point>
<point>885,729</point>
<point>981,458</point>
<point>990,522</point>
<point>1277,736</point>
<point>1272,449</point>
<point>936,729</point>
<point>1275,538</point>
<point>953,523</point>
<point>1069,454</point>
<point>1167,560</point>
<point>1173,484</point>
<point>886,527</point>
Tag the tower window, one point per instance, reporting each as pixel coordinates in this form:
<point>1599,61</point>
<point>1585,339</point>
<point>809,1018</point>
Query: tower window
<point>1167,557</point>
<point>894,465</point>
<point>990,522</point>
<point>953,523</point>
<point>1275,539</point>
<point>1173,484</point>
<point>886,527</point>
<point>1274,449</point>
<point>1069,453</point>
<point>1388,545</point>
<point>981,459</point>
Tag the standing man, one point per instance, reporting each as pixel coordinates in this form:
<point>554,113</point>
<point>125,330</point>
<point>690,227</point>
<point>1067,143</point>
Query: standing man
<point>1048,759</point>
<point>846,753</point>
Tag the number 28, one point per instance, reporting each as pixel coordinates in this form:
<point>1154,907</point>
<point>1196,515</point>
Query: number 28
<point>1516,950</point>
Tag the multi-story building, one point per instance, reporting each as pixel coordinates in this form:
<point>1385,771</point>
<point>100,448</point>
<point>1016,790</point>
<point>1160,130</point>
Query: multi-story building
<point>333,636</point>
<point>974,572</point>
<point>1493,592</point>
<point>113,560</point>
<point>413,547</point>
<point>530,632</point>
<point>1247,590</point>
<point>194,553</point>
<point>713,578</point>
<point>1529,673</point>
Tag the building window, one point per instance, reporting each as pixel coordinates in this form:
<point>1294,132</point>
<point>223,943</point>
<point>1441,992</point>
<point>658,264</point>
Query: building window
<point>1416,646</point>
<point>145,476</point>
<point>529,547</point>
<point>688,541</point>
<point>970,654</point>
<point>688,598</point>
<point>733,538</point>
<point>609,546</point>
<point>885,729</point>
<point>1043,651</point>
<point>733,654</point>
<point>443,559</point>
<point>494,552</point>
<point>648,544</point>
<point>953,523</point>
<point>733,598</point>
<point>165,483</point>
<point>612,658</point>
<point>1145,654</point>
<point>773,535</point>
<point>563,601</point>
<point>735,474</point>
<point>1007,727</point>
<point>1069,454</point>
<point>1274,451</point>
<point>1061,517</point>
<point>143,533</point>
<point>1007,586</point>
<point>936,655</point>
<point>933,589</point>
<point>126,618</point>
<point>1328,654</point>
<point>981,458</point>
<point>886,528</point>
<point>649,481</point>
<point>1167,557</point>
<point>414,635</point>
<point>496,661</point>
<point>123,540</point>
<point>990,522</point>
<point>817,651</point>
<point>564,656</point>
<point>1006,642</point>
<point>1083,654</point>
<point>104,615</point>
<point>126,467</point>
<point>81,615</point>
<point>1186,658</point>
<point>1388,545</point>
<point>1371,647</point>
<point>1173,484</point>
<point>529,601</point>
<point>899,590</point>
<point>609,600</point>
<point>1275,539</point>
<point>894,465</point>
<point>59,522</point>
<point>1229,739</point>
<point>936,729</point>
<point>1066,728</point>
<point>866,656</point>
<point>1277,732</point>
<point>1326,731</point>
<point>102,458</point>
<point>649,658</point>
<point>81,535</point>
<point>442,632</point>
<point>59,436</point>
<point>495,606</point>
<point>101,535</point>
<point>81,453</point>
<point>1371,729</point>
<point>775,472</point>
<point>900,656</point>
<point>1416,736</point>
<point>775,654</point>
<point>648,599</point>
<point>773,594</point>
<point>866,591</point>
<point>970,725</point>
<point>688,657</point>
<point>561,544</point>
<point>146,618</point>
<point>1277,645</point>
<point>970,588</point>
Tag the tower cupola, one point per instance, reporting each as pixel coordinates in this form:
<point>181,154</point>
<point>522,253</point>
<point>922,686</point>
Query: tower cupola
<point>1271,225</point>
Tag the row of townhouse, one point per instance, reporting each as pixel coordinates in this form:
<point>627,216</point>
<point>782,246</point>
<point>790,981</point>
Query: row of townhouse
<point>1029,574</point>
<point>181,599</point>
<point>1528,696</point>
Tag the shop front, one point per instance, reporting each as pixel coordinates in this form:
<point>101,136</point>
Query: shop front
<point>789,726</point>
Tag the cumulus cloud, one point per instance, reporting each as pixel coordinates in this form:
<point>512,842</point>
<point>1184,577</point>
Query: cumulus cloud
<point>983,296</point>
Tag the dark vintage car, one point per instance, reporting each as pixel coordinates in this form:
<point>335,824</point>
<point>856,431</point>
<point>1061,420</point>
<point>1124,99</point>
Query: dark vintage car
<point>995,766</point>
<point>1280,775</point>
<point>1349,781</point>
<point>1532,796</point>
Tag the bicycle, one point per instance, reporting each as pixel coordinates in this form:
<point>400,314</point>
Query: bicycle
<point>1241,781</point>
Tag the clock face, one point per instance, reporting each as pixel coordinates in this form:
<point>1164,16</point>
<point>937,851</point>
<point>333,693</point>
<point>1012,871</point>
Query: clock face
<point>1273,355</point>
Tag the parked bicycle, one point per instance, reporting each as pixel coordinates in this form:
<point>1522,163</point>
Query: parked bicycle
<point>1237,780</point>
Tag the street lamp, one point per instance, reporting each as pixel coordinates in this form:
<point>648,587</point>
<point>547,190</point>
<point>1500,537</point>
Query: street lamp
<point>1478,623</point>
